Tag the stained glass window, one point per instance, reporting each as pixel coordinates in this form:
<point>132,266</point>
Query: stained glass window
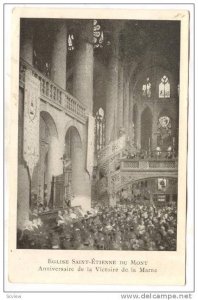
<point>70,42</point>
<point>146,88</point>
<point>98,35</point>
<point>164,87</point>
<point>100,129</point>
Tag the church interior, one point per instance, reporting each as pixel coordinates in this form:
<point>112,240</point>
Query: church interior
<point>98,134</point>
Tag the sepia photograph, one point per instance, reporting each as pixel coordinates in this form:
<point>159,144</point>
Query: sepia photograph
<point>98,134</point>
<point>98,146</point>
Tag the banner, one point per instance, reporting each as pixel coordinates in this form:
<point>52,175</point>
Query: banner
<point>162,184</point>
<point>90,144</point>
<point>31,121</point>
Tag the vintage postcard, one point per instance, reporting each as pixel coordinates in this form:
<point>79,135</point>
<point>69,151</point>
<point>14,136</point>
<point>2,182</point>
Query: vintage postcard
<point>98,146</point>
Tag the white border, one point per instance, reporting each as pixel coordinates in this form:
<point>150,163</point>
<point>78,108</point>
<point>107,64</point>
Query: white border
<point>190,213</point>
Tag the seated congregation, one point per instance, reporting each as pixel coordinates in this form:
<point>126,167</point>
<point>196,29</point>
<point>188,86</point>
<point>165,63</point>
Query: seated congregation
<point>134,227</point>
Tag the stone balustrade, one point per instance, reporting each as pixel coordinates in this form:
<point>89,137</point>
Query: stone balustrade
<point>131,164</point>
<point>163,164</point>
<point>121,171</point>
<point>54,94</point>
<point>132,170</point>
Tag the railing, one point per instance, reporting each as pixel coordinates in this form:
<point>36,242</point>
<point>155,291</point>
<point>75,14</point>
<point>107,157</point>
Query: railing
<point>131,171</point>
<point>163,164</point>
<point>130,164</point>
<point>53,93</point>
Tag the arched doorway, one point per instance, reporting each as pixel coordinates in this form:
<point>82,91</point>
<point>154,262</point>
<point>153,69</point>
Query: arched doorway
<point>48,163</point>
<point>146,129</point>
<point>160,190</point>
<point>74,154</point>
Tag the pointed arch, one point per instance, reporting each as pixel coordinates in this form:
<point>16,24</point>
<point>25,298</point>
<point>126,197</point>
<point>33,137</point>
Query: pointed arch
<point>146,129</point>
<point>164,87</point>
<point>135,123</point>
<point>74,155</point>
<point>45,168</point>
<point>50,123</point>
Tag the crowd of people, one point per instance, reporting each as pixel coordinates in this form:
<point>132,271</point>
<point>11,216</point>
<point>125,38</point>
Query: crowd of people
<point>135,227</point>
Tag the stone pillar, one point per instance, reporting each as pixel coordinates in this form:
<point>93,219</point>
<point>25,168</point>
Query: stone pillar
<point>59,56</point>
<point>23,190</point>
<point>138,128</point>
<point>130,119</point>
<point>26,46</point>
<point>154,129</point>
<point>112,91</point>
<point>83,67</point>
<point>41,170</point>
<point>55,166</point>
<point>77,168</point>
<point>81,182</point>
<point>83,91</point>
<point>120,98</point>
<point>23,195</point>
<point>126,107</point>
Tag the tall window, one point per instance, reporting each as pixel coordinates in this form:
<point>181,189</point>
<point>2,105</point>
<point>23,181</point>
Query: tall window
<point>146,88</point>
<point>70,42</point>
<point>164,87</point>
<point>98,35</point>
<point>100,130</point>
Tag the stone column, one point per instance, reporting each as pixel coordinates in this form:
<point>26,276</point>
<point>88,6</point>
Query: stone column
<point>41,170</point>
<point>83,91</point>
<point>81,181</point>
<point>126,107</point>
<point>154,129</point>
<point>23,190</point>
<point>55,166</point>
<point>78,168</point>
<point>23,195</point>
<point>120,99</point>
<point>130,119</point>
<point>59,56</point>
<point>112,91</point>
<point>83,67</point>
<point>26,46</point>
<point>139,128</point>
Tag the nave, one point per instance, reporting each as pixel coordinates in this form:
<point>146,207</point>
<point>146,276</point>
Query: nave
<point>134,227</point>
